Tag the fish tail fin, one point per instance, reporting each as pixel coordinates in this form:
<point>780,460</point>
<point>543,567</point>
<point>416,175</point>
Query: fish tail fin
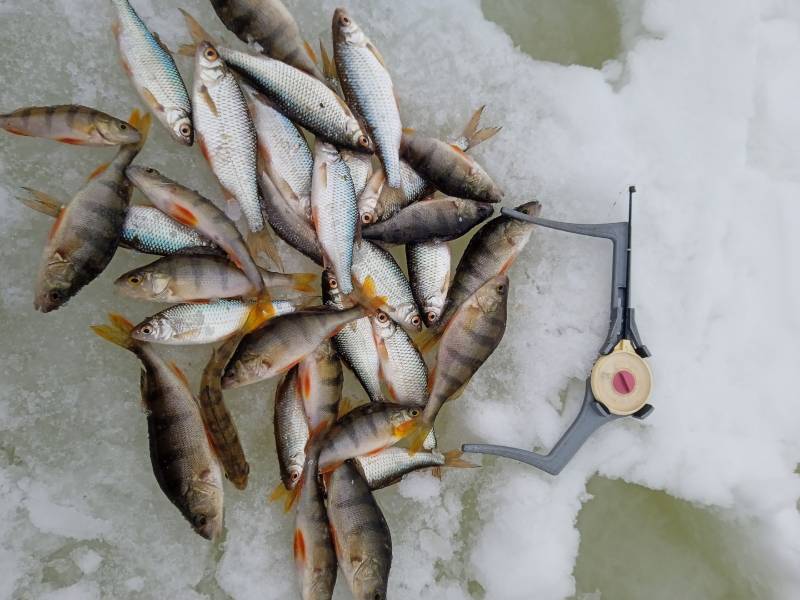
<point>472,136</point>
<point>196,30</point>
<point>40,202</point>
<point>305,283</point>
<point>261,312</point>
<point>416,435</point>
<point>437,472</point>
<point>264,242</point>
<point>141,122</point>
<point>328,66</point>
<point>279,493</point>
<point>453,459</point>
<point>292,496</point>
<point>118,332</point>
<point>367,296</point>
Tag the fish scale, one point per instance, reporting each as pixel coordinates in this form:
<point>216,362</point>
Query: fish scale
<point>386,467</point>
<point>226,132</point>
<point>291,428</point>
<point>368,88</point>
<point>335,210</point>
<point>429,275</point>
<point>152,69</point>
<point>150,231</point>
<point>402,367</point>
<point>304,99</point>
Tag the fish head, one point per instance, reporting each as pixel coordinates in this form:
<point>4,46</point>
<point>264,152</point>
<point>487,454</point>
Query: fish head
<point>209,66</point>
<point>408,316</point>
<point>478,210</point>
<point>518,232</point>
<point>180,123</point>
<point>432,307</point>
<point>331,294</point>
<point>294,471</point>
<point>493,294</point>
<point>402,417</point>
<point>382,326</point>
<point>203,503</point>
<point>325,153</point>
<point>147,283</point>
<point>115,131</point>
<point>370,579</point>
<point>358,138</point>
<point>246,369</point>
<point>57,283</point>
<point>157,328</point>
<point>346,31</point>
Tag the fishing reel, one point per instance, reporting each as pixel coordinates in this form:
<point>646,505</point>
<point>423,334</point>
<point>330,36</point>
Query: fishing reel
<point>620,381</point>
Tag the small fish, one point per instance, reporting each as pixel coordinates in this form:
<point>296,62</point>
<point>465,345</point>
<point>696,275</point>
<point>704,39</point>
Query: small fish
<point>218,421</point>
<point>304,99</point>
<point>87,231</point>
<point>291,429</point>
<point>204,323</point>
<point>379,202</point>
<point>321,379</point>
<point>361,536</point>
<point>448,168</point>
<point>228,140</point>
<point>392,464</point>
<point>184,462</point>
<point>490,252</point>
<point>365,430</point>
<point>70,124</point>
<point>335,211</point>
<point>360,165</point>
<point>282,343</point>
<point>368,87</point>
<point>269,24</point>
<point>467,341</point>
<point>434,219</point>
<point>429,275</point>
<point>153,73</point>
<point>190,208</point>
<point>355,343</point>
<point>187,278</point>
<point>373,263</point>
<point>314,554</point>
<point>146,229</point>
<point>402,366</point>
<point>283,152</point>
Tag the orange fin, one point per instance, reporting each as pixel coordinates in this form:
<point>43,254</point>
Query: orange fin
<point>416,434</point>
<point>262,311</point>
<point>310,51</point>
<point>187,50</point>
<point>409,130</point>
<point>299,547</point>
<point>69,140</point>
<point>183,215</point>
<point>367,296</point>
<point>118,332</point>
<point>304,282</point>
<point>41,202</point>
<point>427,340</point>
<point>59,220</point>
<point>437,472</point>
<point>293,496</point>
<point>453,459</point>
<point>279,493</point>
<point>328,66</point>
<point>97,172</point>
<point>209,101</point>
<point>346,404</point>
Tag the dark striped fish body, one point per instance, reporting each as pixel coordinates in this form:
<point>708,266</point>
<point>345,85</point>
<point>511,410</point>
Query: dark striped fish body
<point>402,366</point>
<point>314,555</point>
<point>435,219</point>
<point>202,323</point>
<point>468,340</point>
<point>429,275</point>
<point>218,420</point>
<point>291,429</point>
<point>375,264</point>
<point>366,429</point>
<point>282,343</point>
<point>225,132</point>
<point>153,73</point>
<point>86,234</point>
<point>368,87</point>
<point>284,155</point>
<point>378,202</point>
<point>392,464</point>
<point>448,168</point>
<point>292,227</point>
<point>321,380</point>
<point>303,98</point>
<point>360,165</point>
<point>70,124</point>
<point>183,460</point>
<point>269,24</point>
<point>190,208</point>
<point>360,534</point>
<point>355,343</point>
<point>187,277</point>
<point>335,211</point>
<point>150,231</point>
<point>490,252</point>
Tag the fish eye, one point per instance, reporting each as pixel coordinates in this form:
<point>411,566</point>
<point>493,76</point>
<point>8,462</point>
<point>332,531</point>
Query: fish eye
<point>431,316</point>
<point>415,320</point>
<point>134,279</point>
<point>382,317</point>
<point>200,520</point>
<point>501,288</point>
<point>210,54</point>
<point>294,476</point>
<point>185,130</point>
<point>414,412</point>
<point>123,125</point>
<point>147,330</point>
<point>150,170</point>
<point>344,20</point>
<point>333,283</point>
<point>55,295</point>
<point>363,141</point>
<point>366,218</point>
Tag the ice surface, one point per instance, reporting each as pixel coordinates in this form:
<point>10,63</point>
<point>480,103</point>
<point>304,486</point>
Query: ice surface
<point>698,110</point>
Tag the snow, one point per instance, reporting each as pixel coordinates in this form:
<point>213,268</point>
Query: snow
<point>698,110</point>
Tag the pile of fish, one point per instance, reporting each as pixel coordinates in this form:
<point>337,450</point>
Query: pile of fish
<point>363,185</point>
